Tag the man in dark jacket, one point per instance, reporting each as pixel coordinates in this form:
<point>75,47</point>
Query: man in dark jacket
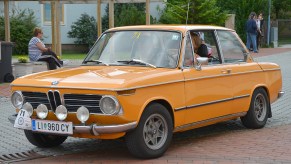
<point>251,29</point>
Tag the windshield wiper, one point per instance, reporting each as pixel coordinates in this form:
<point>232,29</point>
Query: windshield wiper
<point>94,61</point>
<point>137,61</point>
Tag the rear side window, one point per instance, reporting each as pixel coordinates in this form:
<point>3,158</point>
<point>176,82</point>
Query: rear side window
<point>232,49</point>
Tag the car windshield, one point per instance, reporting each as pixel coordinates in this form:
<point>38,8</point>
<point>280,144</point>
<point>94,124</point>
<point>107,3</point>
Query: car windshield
<point>139,48</point>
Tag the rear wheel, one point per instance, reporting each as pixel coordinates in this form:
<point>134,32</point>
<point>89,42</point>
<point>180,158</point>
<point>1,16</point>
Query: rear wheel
<point>44,140</point>
<point>259,110</point>
<point>153,134</point>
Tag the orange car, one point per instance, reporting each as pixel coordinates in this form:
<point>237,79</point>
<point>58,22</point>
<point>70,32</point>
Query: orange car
<point>144,83</point>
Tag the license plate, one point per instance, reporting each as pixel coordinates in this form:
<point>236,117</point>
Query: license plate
<point>49,126</point>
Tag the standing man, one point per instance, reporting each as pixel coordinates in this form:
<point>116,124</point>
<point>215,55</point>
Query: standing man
<point>260,23</point>
<point>251,29</point>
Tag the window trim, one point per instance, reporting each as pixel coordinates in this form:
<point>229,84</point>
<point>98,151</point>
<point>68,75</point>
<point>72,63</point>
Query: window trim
<point>219,47</point>
<point>184,51</point>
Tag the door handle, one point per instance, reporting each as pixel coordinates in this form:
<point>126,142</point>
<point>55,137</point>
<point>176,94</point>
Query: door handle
<point>226,71</point>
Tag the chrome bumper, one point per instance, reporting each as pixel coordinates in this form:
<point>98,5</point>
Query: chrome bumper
<point>280,94</point>
<point>107,129</point>
<point>95,129</point>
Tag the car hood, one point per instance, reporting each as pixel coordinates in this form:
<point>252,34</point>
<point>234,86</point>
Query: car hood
<point>99,77</point>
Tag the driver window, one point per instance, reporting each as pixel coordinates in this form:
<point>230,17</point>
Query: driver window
<point>188,57</point>
<point>205,45</point>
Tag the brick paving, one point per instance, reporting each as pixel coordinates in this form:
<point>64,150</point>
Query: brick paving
<point>226,142</point>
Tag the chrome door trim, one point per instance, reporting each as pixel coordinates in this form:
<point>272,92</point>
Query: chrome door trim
<point>209,120</point>
<point>274,69</point>
<point>211,102</point>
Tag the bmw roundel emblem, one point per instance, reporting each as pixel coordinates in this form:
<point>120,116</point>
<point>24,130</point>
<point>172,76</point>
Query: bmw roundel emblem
<point>55,83</point>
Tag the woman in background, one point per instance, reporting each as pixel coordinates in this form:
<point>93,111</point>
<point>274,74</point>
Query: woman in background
<point>38,52</point>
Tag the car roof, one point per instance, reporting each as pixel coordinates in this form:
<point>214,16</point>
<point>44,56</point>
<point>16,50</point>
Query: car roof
<point>181,28</point>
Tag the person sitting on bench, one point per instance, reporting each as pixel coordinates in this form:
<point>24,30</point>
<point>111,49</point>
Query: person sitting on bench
<point>38,52</point>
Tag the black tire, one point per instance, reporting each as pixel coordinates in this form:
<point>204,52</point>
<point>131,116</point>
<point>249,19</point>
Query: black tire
<point>136,140</point>
<point>259,110</point>
<point>44,140</point>
<point>8,78</point>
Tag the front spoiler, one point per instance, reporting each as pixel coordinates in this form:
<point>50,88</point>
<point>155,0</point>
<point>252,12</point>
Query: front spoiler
<point>95,129</point>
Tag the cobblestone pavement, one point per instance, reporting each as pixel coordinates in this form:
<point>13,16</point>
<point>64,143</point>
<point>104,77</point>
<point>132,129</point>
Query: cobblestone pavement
<point>227,142</point>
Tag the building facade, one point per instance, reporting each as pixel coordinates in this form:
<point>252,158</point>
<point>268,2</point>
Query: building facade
<point>69,13</point>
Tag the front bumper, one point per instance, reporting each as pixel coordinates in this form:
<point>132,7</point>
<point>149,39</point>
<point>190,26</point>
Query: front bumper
<point>95,129</point>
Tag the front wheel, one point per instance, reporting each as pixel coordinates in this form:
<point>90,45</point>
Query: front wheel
<point>153,134</point>
<point>259,110</point>
<point>44,140</point>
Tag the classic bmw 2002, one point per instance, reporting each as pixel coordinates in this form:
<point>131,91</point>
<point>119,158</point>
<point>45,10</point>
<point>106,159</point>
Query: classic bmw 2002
<point>145,83</point>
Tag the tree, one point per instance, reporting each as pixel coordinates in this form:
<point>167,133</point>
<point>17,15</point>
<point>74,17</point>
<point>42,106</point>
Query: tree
<point>242,9</point>
<point>125,14</point>
<point>130,14</point>
<point>84,30</point>
<point>22,23</point>
<point>281,8</point>
<point>200,12</point>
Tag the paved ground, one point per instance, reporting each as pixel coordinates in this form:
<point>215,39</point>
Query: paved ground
<point>227,142</point>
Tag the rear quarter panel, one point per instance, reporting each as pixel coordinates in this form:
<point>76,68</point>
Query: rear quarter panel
<point>273,79</point>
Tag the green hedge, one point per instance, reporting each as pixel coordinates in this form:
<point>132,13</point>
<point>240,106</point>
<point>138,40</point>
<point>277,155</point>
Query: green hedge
<point>22,23</point>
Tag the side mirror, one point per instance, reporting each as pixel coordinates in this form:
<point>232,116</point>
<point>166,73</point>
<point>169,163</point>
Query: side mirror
<point>201,61</point>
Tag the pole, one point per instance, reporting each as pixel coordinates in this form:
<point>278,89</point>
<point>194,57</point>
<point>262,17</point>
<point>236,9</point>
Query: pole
<point>99,20</point>
<point>53,22</point>
<point>111,13</point>
<point>58,29</point>
<point>148,17</point>
<point>7,21</point>
<point>269,24</point>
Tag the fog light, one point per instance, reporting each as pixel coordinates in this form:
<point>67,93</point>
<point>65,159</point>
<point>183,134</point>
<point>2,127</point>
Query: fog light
<point>17,99</point>
<point>61,112</point>
<point>41,111</point>
<point>28,108</point>
<point>83,114</point>
<point>109,105</point>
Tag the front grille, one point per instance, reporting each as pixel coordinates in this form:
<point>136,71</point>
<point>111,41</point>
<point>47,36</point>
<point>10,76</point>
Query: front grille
<point>54,99</point>
<point>74,101</point>
<point>36,98</point>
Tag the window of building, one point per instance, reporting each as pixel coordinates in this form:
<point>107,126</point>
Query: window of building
<point>47,13</point>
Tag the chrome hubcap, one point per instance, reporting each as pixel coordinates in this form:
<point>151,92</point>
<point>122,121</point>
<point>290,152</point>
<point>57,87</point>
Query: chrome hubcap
<point>260,107</point>
<point>155,131</point>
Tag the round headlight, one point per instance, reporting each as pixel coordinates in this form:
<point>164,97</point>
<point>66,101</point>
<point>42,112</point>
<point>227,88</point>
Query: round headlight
<point>28,107</point>
<point>41,111</point>
<point>109,105</point>
<point>83,114</point>
<point>61,112</point>
<point>17,99</point>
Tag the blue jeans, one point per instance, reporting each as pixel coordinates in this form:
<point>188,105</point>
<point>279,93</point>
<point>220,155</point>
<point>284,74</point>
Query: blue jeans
<point>252,39</point>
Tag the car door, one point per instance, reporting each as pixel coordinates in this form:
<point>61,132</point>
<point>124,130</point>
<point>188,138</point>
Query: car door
<point>207,91</point>
<point>242,72</point>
